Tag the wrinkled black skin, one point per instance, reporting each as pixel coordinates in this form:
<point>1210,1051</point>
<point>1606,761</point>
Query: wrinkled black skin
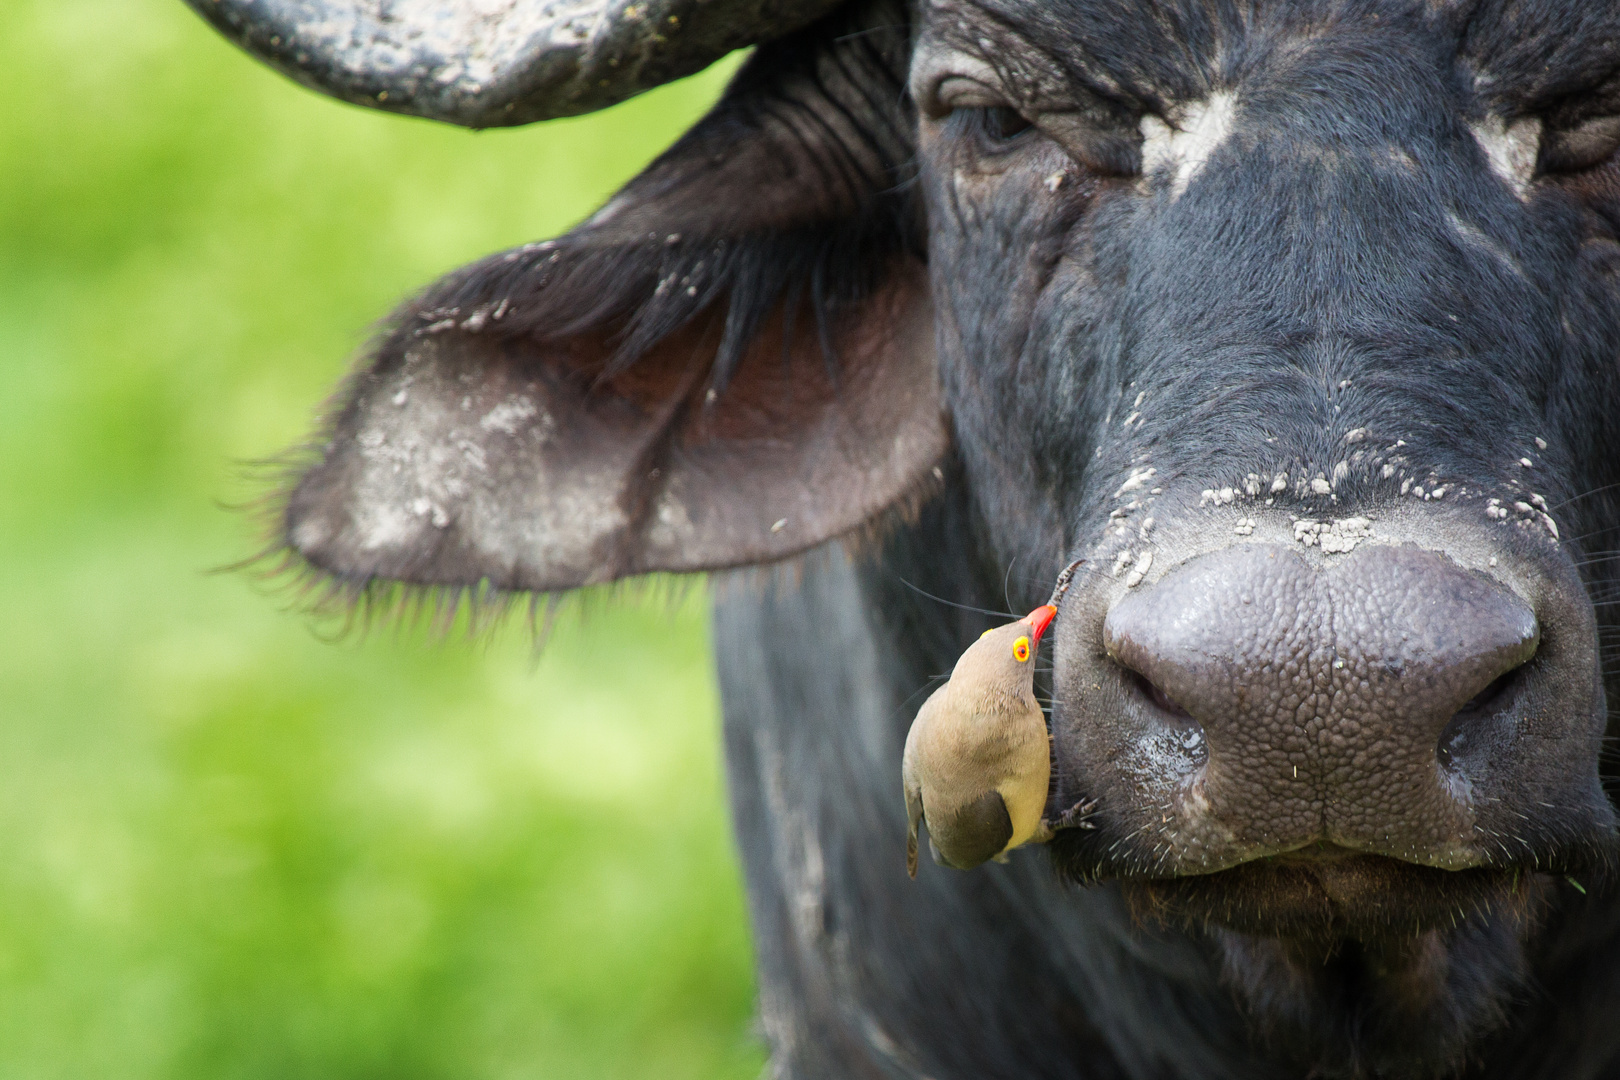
<point>1286,269</point>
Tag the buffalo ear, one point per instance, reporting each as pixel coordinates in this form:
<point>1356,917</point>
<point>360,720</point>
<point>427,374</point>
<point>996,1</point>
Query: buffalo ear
<point>464,457</point>
<point>683,383</point>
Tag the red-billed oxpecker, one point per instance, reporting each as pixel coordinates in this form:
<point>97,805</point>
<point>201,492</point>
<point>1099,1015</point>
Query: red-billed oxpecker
<point>978,758</point>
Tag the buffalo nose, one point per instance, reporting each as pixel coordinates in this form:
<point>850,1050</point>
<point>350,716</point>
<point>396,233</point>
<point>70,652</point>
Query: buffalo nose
<point>1329,693</point>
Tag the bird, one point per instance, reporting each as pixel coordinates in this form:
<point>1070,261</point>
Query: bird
<point>978,758</point>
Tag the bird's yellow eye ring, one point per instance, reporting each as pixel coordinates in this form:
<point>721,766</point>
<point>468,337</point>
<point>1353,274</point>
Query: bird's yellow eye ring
<point>1021,649</point>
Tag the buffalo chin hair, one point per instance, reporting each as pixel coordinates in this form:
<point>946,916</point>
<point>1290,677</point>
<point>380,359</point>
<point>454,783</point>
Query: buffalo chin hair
<point>1389,969</point>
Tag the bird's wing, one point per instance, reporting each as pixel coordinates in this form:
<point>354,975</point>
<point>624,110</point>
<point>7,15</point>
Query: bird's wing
<point>977,832</point>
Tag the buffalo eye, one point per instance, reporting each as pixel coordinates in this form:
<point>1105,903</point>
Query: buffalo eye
<point>1003,124</point>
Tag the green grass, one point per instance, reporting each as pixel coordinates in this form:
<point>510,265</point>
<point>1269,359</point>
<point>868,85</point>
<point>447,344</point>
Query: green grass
<point>228,847</point>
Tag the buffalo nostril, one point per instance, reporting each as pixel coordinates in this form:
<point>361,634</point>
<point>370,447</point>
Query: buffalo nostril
<point>1161,700</point>
<point>1182,727</point>
<point>1487,699</point>
<point>1454,738</point>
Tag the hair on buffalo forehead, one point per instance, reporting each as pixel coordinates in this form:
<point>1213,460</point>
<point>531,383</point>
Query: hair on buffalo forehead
<point>1296,321</point>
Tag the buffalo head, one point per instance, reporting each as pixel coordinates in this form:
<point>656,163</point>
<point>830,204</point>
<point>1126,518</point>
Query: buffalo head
<point>1297,321</point>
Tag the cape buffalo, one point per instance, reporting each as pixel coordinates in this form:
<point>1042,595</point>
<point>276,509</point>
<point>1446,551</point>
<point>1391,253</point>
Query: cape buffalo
<point>1297,319</point>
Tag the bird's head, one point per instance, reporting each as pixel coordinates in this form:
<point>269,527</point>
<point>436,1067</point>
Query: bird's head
<point>1006,653</point>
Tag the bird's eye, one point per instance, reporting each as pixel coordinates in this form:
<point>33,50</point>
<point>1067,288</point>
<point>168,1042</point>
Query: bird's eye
<point>1021,649</point>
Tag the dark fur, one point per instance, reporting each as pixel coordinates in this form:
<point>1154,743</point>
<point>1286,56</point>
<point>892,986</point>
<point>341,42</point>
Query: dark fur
<point>1307,286</point>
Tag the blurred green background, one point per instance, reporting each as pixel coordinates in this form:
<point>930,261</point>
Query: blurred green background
<point>228,847</point>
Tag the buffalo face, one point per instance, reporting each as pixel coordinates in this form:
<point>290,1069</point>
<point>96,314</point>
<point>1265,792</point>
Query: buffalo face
<point>1295,326</point>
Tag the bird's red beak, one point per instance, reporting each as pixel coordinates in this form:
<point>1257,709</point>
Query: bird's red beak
<point>1038,621</point>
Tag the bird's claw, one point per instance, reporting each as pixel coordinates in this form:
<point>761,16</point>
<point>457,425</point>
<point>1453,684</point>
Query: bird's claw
<point>1077,816</point>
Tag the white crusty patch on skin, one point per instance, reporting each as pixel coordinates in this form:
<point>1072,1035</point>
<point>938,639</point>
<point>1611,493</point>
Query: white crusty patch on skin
<point>1511,149</point>
<point>1201,127</point>
<point>1333,537</point>
<point>1139,571</point>
<point>435,461</point>
<point>509,415</point>
<point>1531,514</point>
<point>1138,479</point>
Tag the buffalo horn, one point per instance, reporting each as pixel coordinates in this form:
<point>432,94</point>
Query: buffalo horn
<point>495,63</point>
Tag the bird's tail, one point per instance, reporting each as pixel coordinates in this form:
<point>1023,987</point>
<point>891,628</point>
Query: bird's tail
<point>914,814</point>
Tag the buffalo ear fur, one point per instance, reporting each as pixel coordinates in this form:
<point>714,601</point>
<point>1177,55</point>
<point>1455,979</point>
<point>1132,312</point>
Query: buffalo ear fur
<point>731,362</point>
